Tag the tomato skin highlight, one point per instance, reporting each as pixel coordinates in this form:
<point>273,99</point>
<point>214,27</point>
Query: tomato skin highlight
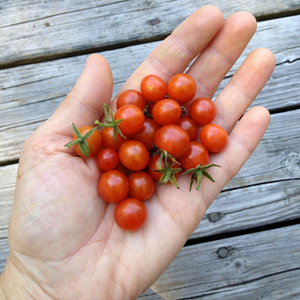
<point>94,141</point>
<point>189,126</point>
<point>113,186</point>
<point>107,135</point>
<point>131,214</point>
<point>166,111</point>
<point>133,119</point>
<point>203,111</point>
<point>173,139</point>
<point>147,133</point>
<point>107,159</point>
<point>134,155</point>
<point>214,137</point>
<point>197,154</point>
<point>182,88</point>
<point>153,88</point>
<point>141,185</point>
<point>131,97</point>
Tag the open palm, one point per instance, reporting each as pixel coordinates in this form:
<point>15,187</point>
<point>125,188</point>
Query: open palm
<point>63,237</point>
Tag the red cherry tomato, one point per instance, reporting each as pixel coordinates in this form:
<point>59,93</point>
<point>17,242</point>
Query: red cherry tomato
<point>182,88</point>
<point>133,119</point>
<point>147,133</point>
<point>107,135</point>
<point>154,165</point>
<point>196,155</point>
<point>134,155</point>
<point>189,126</point>
<point>214,137</point>
<point>173,139</point>
<point>166,111</point>
<point>107,159</point>
<point>113,186</point>
<point>94,141</point>
<point>131,97</point>
<point>131,214</point>
<point>141,185</point>
<point>153,88</point>
<point>203,111</point>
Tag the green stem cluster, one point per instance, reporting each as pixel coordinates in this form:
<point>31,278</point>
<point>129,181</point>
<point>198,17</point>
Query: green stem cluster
<point>111,122</point>
<point>168,173</point>
<point>81,140</point>
<point>197,174</point>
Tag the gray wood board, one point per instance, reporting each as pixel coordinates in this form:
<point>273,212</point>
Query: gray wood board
<point>38,30</point>
<point>265,191</point>
<point>29,94</point>
<point>276,158</point>
<point>264,265</point>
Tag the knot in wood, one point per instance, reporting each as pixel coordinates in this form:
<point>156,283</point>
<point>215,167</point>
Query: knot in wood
<point>148,3</point>
<point>222,252</point>
<point>154,21</point>
<point>214,217</point>
<point>291,163</point>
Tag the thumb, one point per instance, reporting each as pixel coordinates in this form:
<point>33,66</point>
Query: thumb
<point>84,104</point>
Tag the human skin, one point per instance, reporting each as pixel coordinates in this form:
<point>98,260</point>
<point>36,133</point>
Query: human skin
<point>64,243</point>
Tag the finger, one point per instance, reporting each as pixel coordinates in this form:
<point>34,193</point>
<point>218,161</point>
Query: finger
<point>84,104</point>
<point>241,143</point>
<point>219,56</point>
<point>175,53</point>
<point>243,87</point>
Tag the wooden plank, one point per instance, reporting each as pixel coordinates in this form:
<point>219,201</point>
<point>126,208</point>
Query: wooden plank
<point>265,263</point>
<point>254,198</point>
<point>39,30</point>
<point>277,156</point>
<point>251,207</point>
<point>4,251</point>
<point>277,287</point>
<point>8,175</point>
<point>29,94</point>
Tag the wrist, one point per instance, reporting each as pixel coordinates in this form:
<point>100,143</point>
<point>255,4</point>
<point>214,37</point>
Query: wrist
<point>16,285</point>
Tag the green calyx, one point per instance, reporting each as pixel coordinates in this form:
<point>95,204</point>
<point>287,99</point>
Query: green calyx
<point>164,155</point>
<point>168,174</point>
<point>111,122</point>
<point>197,174</point>
<point>81,140</point>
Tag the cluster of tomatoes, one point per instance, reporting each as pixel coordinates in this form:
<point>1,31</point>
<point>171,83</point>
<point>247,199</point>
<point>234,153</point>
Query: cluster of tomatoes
<point>150,139</point>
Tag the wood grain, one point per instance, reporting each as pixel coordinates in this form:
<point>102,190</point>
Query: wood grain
<point>43,30</point>
<point>265,264</point>
<point>222,260</point>
<point>265,191</point>
<point>29,94</point>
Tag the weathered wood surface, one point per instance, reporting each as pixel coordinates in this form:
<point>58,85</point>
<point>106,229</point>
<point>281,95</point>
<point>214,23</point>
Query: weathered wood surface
<point>29,94</point>
<point>263,265</point>
<point>265,194</point>
<point>41,30</point>
<point>265,191</point>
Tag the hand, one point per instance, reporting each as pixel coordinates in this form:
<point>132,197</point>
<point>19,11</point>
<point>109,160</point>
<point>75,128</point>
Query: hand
<point>63,238</point>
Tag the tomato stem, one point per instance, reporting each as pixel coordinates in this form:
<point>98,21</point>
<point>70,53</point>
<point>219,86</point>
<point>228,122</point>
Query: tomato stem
<point>164,155</point>
<point>183,111</point>
<point>81,140</point>
<point>168,173</point>
<point>110,122</point>
<point>197,174</point>
<point>146,111</point>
